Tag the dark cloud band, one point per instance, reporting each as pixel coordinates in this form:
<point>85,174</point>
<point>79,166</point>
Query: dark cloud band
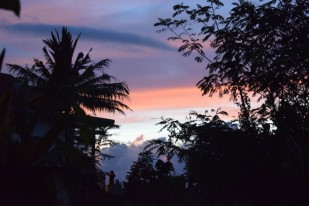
<point>101,35</point>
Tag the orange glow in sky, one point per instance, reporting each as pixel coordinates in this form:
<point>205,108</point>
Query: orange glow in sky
<point>149,105</point>
<point>173,98</point>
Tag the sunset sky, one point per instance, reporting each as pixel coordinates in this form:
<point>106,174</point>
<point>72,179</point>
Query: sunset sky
<point>161,81</point>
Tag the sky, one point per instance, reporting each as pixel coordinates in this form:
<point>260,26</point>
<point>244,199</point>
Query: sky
<point>161,81</point>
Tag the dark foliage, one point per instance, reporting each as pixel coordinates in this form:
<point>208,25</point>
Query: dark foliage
<point>149,184</point>
<point>230,166</point>
<point>60,164</point>
<point>11,5</point>
<point>260,49</point>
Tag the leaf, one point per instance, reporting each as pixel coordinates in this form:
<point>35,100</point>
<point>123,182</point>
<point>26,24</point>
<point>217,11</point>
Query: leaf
<point>223,113</point>
<point>12,5</point>
<point>199,59</point>
<point>215,118</point>
<point>1,58</point>
<point>173,38</point>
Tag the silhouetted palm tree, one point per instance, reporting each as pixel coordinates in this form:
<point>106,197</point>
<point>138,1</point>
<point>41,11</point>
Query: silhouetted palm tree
<point>64,87</point>
<point>69,86</point>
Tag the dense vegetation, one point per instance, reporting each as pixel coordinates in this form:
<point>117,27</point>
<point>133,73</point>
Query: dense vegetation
<point>260,50</point>
<point>261,158</point>
<point>58,166</point>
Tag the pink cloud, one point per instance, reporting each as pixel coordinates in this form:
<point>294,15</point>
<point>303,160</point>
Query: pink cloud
<point>139,140</point>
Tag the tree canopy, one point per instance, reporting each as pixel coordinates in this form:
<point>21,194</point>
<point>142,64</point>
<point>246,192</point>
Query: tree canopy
<point>260,48</point>
<point>55,94</point>
<point>72,85</point>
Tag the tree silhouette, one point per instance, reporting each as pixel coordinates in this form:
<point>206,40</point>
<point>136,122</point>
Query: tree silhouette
<point>66,87</point>
<point>225,165</point>
<point>259,49</point>
<point>164,169</point>
<point>142,170</point>
<point>73,85</point>
<point>149,184</point>
<point>61,90</point>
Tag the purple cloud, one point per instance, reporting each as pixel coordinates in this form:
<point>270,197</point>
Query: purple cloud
<point>101,35</point>
<point>125,155</point>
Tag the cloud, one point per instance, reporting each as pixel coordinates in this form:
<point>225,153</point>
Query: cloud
<point>100,35</point>
<point>138,140</point>
<point>125,155</point>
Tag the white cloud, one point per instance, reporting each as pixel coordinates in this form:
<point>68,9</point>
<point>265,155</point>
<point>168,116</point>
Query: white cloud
<point>125,155</point>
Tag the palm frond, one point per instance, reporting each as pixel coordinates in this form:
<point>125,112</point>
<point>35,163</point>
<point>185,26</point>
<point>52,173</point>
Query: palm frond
<point>111,90</point>
<point>49,60</point>
<point>78,59</point>
<point>95,80</point>
<point>70,84</point>
<point>27,73</point>
<point>53,44</point>
<point>1,58</point>
<point>86,76</point>
<point>41,69</point>
<point>102,64</point>
<point>75,42</point>
<point>103,105</point>
<point>82,62</point>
